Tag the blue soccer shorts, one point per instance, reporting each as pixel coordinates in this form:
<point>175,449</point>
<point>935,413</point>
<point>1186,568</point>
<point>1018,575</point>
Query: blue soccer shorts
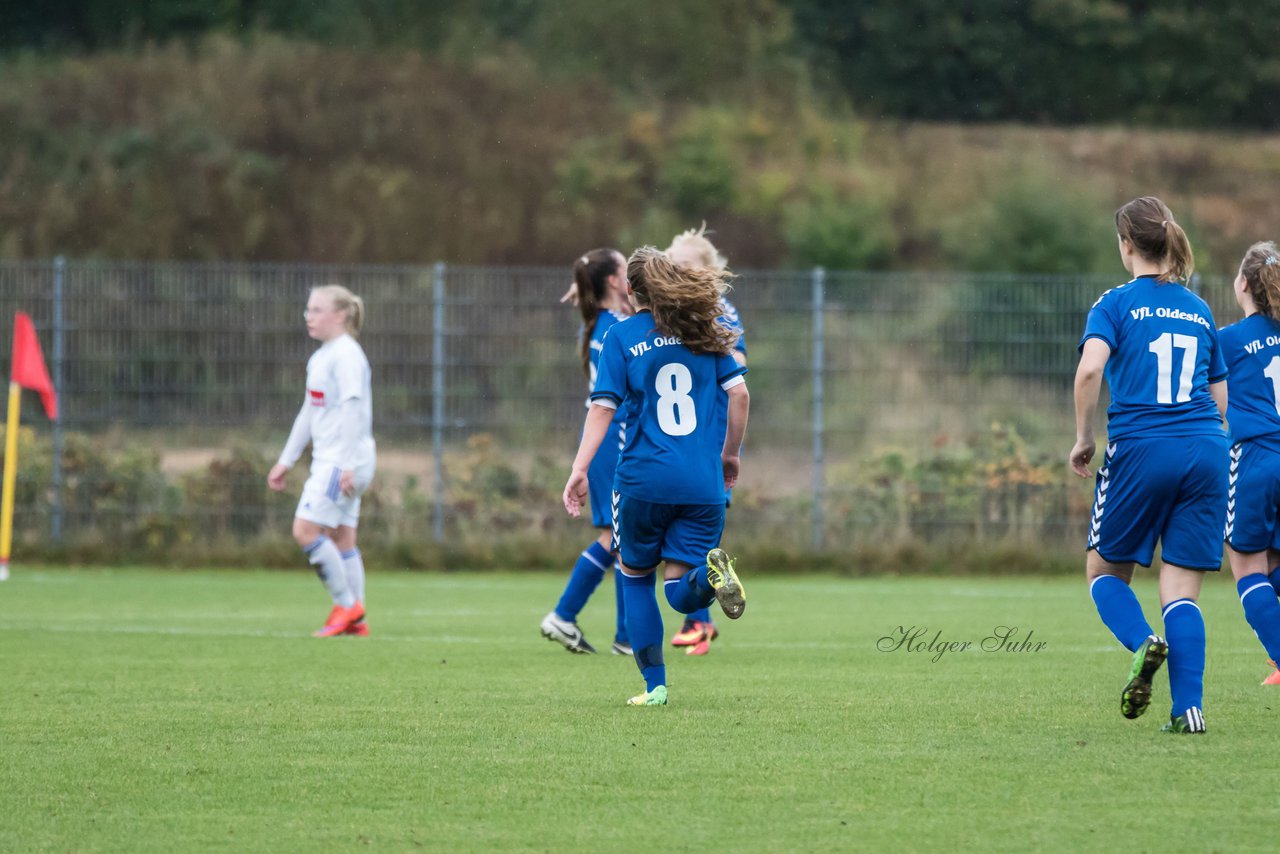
<point>645,533</point>
<point>600,475</point>
<point>1253,497</point>
<point>1168,489</point>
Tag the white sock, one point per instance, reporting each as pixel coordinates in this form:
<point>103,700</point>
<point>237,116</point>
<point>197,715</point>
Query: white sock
<point>324,556</point>
<point>354,563</point>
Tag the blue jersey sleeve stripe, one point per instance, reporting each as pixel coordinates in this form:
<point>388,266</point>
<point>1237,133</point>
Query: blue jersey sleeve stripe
<point>1104,339</point>
<point>737,372</point>
<point>602,396</point>
<point>1218,379</point>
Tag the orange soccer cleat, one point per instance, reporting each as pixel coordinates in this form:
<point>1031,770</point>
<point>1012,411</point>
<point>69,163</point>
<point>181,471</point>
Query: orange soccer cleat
<point>1274,678</point>
<point>360,629</point>
<point>691,634</point>
<point>697,637</point>
<point>340,619</point>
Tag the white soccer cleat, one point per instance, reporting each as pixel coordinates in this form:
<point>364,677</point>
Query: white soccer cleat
<point>565,633</point>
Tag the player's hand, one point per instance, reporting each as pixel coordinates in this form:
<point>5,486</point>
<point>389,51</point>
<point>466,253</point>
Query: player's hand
<point>275,477</point>
<point>1081,454</point>
<point>731,465</point>
<point>571,295</point>
<point>347,482</point>
<point>575,493</point>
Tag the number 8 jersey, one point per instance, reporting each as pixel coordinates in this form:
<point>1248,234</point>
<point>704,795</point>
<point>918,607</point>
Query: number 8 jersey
<point>676,410</point>
<point>1164,355</point>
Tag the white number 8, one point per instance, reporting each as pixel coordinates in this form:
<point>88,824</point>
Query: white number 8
<point>676,414</point>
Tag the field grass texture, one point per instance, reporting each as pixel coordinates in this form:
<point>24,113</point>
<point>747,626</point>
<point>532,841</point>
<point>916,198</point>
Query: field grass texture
<point>150,710</point>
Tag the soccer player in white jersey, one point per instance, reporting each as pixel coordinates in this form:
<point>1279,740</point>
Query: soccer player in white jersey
<point>692,248</point>
<point>686,402</point>
<point>336,418</point>
<point>600,283</point>
<point>1252,351</point>
<point>1164,475</point>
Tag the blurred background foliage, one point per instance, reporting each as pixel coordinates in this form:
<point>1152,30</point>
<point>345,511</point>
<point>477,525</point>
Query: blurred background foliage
<point>932,134</point>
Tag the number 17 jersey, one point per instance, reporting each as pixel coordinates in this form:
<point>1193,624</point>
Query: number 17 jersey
<point>1164,354</point>
<point>1252,352</point>
<point>676,412</point>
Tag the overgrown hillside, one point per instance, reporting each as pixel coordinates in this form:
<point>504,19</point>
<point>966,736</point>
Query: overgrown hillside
<point>265,148</point>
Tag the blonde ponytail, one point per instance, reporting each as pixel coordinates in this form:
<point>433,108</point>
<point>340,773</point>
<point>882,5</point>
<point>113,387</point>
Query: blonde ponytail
<point>345,301</point>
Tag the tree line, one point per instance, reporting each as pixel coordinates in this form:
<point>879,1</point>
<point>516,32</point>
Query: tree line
<point>1169,63</point>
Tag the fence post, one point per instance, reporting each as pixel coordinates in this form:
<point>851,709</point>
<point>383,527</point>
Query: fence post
<point>59,350</point>
<point>437,400</point>
<point>819,475</point>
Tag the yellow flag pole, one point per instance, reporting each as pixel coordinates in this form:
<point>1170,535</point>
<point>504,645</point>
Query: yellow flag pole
<point>10,477</point>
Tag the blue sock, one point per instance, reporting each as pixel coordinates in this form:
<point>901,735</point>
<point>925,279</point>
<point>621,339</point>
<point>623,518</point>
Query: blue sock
<point>587,573</point>
<point>1274,578</point>
<point>1119,609</point>
<point>1262,610</point>
<point>1184,630</point>
<point>620,634</point>
<point>702,615</point>
<point>690,592</point>
<point>644,627</point>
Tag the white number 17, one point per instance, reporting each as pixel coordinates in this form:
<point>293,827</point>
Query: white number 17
<point>1163,347</point>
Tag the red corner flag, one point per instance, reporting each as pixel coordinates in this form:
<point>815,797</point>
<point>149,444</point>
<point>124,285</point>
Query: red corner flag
<point>27,368</point>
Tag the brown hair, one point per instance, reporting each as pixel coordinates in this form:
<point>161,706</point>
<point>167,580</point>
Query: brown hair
<point>685,301</point>
<point>344,300</point>
<point>590,272</point>
<point>1147,223</point>
<point>1261,271</point>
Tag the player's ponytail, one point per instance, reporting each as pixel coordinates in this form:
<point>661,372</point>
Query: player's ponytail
<point>345,301</point>
<point>590,276</point>
<point>1148,225</point>
<point>1261,271</point>
<point>685,301</point>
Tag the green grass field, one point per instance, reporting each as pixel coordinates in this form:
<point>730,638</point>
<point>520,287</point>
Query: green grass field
<point>150,710</point>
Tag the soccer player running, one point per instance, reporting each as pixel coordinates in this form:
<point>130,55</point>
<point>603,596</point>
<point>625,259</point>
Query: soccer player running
<point>600,284</point>
<point>1251,348</point>
<point>1164,474</point>
<point>337,420</point>
<point>686,401</point>
<point>692,248</point>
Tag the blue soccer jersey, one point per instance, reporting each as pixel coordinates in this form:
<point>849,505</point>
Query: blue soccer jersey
<point>677,413</point>
<point>1164,354</point>
<point>730,319</point>
<point>1251,349</point>
<point>600,473</point>
<point>604,322</point>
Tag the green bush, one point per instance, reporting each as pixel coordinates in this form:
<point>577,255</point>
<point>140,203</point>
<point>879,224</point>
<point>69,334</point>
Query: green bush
<point>840,232</point>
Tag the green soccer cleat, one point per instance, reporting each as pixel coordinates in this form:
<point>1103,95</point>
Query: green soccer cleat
<point>1136,696</point>
<point>1190,722</point>
<point>724,581</point>
<point>656,697</point>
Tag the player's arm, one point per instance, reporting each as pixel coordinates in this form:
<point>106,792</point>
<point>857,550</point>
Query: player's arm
<point>349,380</point>
<point>349,431</point>
<point>1218,391</point>
<point>599,417</point>
<point>299,436</point>
<point>1093,359</point>
<point>739,407</point>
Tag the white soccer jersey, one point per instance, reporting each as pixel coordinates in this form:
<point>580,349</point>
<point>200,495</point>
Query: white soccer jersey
<point>337,373</point>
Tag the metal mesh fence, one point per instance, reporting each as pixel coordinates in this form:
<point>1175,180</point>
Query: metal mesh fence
<point>886,408</point>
